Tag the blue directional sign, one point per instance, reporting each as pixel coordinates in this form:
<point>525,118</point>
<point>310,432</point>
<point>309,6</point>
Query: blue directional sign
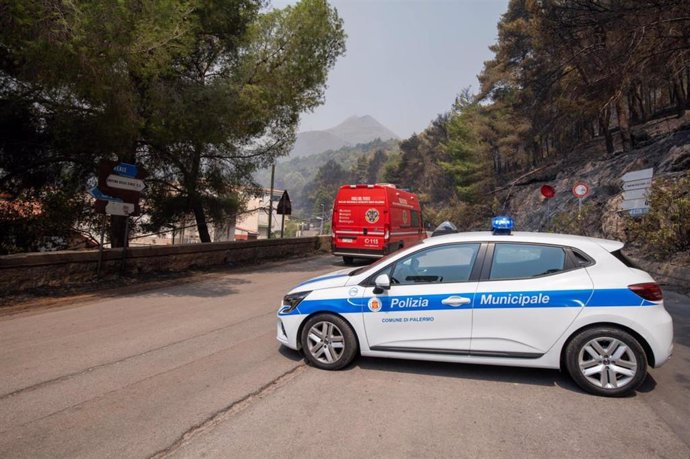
<point>98,194</point>
<point>126,170</point>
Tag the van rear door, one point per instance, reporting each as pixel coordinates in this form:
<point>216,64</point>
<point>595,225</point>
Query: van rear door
<point>359,218</point>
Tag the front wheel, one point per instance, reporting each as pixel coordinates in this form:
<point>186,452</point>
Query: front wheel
<point>606,361</point>
<point>328,342</point>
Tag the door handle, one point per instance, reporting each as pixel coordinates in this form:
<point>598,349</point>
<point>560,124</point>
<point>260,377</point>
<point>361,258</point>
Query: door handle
<point>456,301</point>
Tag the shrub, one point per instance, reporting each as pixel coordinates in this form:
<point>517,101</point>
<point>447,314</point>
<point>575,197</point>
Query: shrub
<point>665,230</point>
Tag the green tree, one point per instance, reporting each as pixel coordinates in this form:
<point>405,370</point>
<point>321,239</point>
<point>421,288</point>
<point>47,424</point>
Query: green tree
<point>358,173</point>
<point>468,162</point>
<point>200,93</point>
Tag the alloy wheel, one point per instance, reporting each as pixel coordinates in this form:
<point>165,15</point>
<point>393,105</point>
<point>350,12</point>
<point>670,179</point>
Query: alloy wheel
<point>607,362</point>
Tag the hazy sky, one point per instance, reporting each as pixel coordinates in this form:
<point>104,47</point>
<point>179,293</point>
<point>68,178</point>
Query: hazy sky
<point>405,60</point>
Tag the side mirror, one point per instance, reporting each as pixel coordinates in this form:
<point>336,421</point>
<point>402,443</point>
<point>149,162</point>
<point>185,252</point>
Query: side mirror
<point>382,282</point>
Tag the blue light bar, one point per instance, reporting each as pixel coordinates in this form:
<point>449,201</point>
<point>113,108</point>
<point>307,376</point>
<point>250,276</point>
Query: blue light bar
<point>502,225</point>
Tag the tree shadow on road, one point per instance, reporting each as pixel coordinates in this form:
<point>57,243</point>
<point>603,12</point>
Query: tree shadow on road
<point>210,288</point>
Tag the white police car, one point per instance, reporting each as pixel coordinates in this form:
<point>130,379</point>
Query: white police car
<point>522,299</point>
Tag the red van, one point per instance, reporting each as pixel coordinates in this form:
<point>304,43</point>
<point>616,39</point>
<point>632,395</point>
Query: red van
<point>370,221</point>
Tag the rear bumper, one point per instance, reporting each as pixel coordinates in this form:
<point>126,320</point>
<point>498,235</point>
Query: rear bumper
<point>359,253</point>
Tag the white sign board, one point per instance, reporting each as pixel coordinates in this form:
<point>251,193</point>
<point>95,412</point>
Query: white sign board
<point>125,183</point>
<point>634,204</point>
<point>636,186</point>
<point>119,208</point>
<point>638,175</point>
<point>638,193</point>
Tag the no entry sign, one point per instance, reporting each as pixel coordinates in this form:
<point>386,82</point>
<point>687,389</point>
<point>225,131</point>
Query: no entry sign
<point>581,190</point>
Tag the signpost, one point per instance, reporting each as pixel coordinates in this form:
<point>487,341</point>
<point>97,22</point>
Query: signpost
<point>581,190</point>
<point>125,183</point>
<point>636,186</point>
<point>284,208</point>
<point>118,192</point>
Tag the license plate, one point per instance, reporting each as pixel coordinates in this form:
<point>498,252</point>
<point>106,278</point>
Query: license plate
<point>347,239</point>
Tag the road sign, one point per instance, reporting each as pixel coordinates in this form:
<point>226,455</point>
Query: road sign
<point>639,193</point>
<point>634,204</point>
<point>98,194</point>
<point>126,170</point>
<point>547,191</point>
<point>638,175</point>
<point>639,211</point>
<point>581,190</point>
<point>125,183</point>
<point>636,189</point>
<point>284,205</point>
<point>121,182</point>
<point>637,184</point>
<point>120,208</point>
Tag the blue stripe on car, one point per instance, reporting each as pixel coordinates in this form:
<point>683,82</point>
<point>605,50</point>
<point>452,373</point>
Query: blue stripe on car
<point>480,300</point>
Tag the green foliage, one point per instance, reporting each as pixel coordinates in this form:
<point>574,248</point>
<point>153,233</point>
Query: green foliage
<point>42,221</point>
<point>199,93</point>
<point>306,178</point>
<point>468,163</point>
<point>664,231</point>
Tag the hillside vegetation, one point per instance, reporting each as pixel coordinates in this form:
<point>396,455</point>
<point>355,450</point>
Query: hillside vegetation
<point>312,181</point>
<point>199,94</point>
<point>572,84</point>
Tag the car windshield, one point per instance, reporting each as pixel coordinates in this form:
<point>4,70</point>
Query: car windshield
<point>378,262</point>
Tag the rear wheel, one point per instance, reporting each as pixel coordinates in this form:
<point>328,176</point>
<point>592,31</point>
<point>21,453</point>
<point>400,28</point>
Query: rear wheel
<point>606,361</point>
<point>348,260</point>
<point>328,342</point>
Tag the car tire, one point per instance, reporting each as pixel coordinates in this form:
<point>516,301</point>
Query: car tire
<point>328,342</point>
<point>606,361</point>
<point>348,260</point>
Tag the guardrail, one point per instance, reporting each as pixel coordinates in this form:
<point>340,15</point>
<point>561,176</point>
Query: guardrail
<point>29,271</point>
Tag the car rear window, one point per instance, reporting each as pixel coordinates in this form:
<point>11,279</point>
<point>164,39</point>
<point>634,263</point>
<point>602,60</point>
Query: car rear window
<point>520,261</point>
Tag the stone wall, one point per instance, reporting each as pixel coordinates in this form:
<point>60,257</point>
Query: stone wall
<point>24,272</point>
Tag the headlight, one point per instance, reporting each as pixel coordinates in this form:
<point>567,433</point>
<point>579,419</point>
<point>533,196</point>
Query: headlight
<point>291,301</point>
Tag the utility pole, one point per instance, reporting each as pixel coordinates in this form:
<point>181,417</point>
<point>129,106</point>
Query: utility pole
<point>270,201</point>
<point>323,216</point>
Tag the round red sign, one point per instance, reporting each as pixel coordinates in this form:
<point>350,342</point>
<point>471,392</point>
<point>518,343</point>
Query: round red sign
<point>581,190</point>
<point>547,191</point>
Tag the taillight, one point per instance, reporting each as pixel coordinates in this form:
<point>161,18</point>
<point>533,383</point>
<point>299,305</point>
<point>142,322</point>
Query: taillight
<point>649,291</point>
<point>387,234</point>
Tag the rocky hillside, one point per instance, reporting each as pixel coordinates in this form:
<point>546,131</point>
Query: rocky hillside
<point>663,145</point>
<point>666,150</point>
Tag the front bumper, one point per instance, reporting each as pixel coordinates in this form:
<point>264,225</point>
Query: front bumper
<point>287,330</point>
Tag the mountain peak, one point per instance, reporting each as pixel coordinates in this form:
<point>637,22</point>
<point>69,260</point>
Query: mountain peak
<point>354,130</point>
<point>362,129</point>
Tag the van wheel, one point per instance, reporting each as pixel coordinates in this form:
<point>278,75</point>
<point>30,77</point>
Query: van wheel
<point>328,342</point>
<point>606,361</point>
<point>348,260</point>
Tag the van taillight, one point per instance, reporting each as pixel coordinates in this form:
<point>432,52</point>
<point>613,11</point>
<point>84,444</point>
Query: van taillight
<point>387,234</point>
<point>649,291</point>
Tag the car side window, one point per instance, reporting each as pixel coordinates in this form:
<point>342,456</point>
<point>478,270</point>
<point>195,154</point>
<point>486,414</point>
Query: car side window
<point>520,261</point>
<point>448,263</point>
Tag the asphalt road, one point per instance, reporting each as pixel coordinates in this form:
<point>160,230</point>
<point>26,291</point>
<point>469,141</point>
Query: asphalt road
<point>193,370</point>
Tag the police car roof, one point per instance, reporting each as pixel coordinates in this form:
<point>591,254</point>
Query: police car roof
<point>523,236</point>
